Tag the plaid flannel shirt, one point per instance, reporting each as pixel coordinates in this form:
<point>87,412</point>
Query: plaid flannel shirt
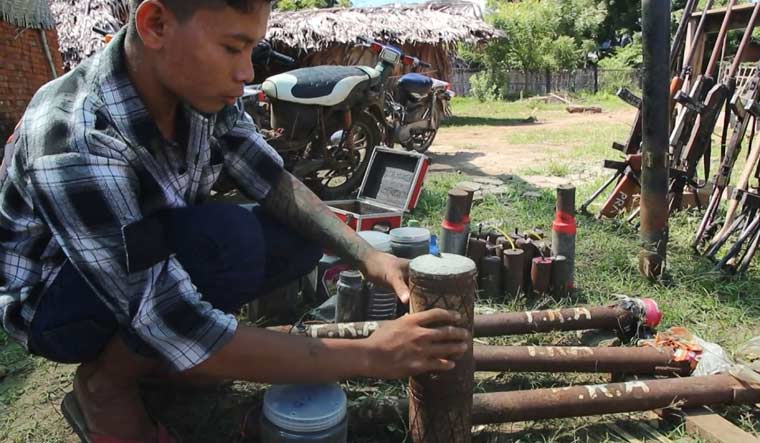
<point>87,160</point>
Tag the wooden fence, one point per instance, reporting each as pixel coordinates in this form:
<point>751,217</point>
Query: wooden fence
<point>538,83</point>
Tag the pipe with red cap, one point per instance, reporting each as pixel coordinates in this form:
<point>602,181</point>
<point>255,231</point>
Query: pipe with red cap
<point>453,229</point>
<point>563,231</point>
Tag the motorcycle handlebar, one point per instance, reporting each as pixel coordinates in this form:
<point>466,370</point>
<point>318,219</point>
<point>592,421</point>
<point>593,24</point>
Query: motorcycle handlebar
<point>100,31</point>
<point>263,54</point>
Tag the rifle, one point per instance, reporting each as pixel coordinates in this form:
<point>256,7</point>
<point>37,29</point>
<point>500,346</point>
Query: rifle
<point>684,166</point>
<point>750,231</point>
<point>744,106</point>
<point>732,221</point>
<point>688,61</point>
<point>633,145</point>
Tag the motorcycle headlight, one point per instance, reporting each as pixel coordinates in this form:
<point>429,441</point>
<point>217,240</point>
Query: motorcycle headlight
<point>390,56</point>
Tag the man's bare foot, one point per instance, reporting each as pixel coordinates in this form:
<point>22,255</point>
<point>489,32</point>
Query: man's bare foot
<point>111,406</point>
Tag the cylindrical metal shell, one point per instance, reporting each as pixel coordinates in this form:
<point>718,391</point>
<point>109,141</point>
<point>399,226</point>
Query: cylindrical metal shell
<point>561,276</point>
<point>513,272</point>
<point>541,275</point>
<point>453,231</point>
<point>491,277</point>
<point>441,403</point>
<point>530,252</point>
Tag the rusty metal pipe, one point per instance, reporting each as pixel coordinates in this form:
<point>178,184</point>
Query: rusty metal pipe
<point>640,360</point>
<point>614,318</point>
<point>578,401</point>
<point>655,28</point>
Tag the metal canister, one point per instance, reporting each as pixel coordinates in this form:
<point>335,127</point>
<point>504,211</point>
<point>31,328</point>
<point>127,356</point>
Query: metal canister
<point>382,303</point>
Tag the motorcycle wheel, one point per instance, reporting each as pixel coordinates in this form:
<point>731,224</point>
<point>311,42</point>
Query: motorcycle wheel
<point>421,142</point>
<point>333,184</point>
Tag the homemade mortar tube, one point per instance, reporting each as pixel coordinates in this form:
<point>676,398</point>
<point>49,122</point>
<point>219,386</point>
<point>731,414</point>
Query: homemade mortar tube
<point>564,230</point>
<point>453,236</point>
<point>541,275</point>
<point>440,407</point>
<point>466,220</point>
<point>622,317</point>
<point>561,278</point>
<point>476,250</point>
<point>529,253</point>
<point>585,400</point>
<point>491,277</point>
<point>646,360</point>
<point>513,272</point>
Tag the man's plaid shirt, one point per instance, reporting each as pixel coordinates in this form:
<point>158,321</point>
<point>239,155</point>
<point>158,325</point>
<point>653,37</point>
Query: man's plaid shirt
<point>87,160</point>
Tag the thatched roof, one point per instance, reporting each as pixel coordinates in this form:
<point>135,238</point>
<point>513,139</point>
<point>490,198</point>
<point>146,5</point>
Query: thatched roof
<point>316,29</point>
<point>27,13</point>
<point>305,30</point>
<point>75,19</point>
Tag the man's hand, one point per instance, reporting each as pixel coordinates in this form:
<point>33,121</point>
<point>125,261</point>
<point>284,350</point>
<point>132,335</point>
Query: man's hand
<point>385,269</point>
<point>415,344</point>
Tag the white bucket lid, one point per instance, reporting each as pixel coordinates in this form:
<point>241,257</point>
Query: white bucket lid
<point>378,240</point>
<point>305,408</point>
<point>410,235</point>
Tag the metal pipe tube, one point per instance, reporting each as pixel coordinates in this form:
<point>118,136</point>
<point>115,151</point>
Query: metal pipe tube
<point>655,17</point>
<point>541,275</point>
<point>615,317</point>
<point>453,234</point>
<point>638,360</point>
<point>564,230</point>
<point>440,406</point>
<point>578,401</point>
<point>513,272</point>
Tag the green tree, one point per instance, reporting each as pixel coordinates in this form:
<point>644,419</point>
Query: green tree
<point>294,5</point>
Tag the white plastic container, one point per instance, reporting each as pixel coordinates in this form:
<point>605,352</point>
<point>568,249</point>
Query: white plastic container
<point>378,240</point>
<point>304,413</point>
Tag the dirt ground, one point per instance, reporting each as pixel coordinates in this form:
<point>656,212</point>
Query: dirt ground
<point>486,150</point>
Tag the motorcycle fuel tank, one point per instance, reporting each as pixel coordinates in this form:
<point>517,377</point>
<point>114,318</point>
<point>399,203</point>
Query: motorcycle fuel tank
<point>391,187</point>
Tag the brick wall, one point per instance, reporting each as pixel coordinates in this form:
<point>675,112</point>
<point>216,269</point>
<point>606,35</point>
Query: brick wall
<point>23,69</point>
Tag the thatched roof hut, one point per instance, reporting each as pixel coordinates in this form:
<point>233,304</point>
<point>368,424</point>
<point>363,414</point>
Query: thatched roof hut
<point>315,36</point>
<point>75,19</point>
<point>27,13</point>
<point>429,31</point>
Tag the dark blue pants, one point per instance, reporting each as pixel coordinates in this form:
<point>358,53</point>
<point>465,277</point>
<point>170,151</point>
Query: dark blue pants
<point>232,255</point>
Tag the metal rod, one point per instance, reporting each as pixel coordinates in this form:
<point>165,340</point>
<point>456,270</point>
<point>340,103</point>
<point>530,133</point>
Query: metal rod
<point>639,360</point>
<point>655,121</point>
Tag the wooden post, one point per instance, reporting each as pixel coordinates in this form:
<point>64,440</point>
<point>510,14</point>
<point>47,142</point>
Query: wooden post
<point>440,404</point>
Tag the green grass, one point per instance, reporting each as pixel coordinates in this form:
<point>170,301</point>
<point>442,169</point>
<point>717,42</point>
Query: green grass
<point>470,111</point>
<point>725,310</point>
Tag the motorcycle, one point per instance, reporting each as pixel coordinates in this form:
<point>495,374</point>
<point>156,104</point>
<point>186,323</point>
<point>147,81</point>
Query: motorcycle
<point>325,121</point>
<point>422,103</point>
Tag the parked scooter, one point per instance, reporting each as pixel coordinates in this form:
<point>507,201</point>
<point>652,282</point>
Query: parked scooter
<point>421,103</point>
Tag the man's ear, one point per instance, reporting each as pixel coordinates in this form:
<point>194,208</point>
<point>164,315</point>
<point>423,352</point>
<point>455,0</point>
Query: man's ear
<point>154,22</point>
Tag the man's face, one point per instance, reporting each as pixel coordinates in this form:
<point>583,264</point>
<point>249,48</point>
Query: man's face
<point>206,60</point>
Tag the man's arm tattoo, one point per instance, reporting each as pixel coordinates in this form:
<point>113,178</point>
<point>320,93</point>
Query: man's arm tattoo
<point>291,202</point>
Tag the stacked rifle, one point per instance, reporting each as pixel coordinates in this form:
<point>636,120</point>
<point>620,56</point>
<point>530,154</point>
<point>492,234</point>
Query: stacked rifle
<point>693,124</point>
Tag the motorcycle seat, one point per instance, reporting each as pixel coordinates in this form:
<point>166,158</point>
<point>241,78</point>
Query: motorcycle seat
<point>417,84</point>
<point>320,85</point>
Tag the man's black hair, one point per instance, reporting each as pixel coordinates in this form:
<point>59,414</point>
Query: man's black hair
<point>184,9</point>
